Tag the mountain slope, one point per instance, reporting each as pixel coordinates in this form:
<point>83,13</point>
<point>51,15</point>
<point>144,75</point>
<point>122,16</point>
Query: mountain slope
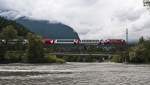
<point>48,30</point>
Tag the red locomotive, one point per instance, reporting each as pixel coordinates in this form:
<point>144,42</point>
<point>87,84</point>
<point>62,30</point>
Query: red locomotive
<point>115,42</point>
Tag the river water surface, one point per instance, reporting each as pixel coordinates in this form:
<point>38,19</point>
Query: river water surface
<point>75,74</point>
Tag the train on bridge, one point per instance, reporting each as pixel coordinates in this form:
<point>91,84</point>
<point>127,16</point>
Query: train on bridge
<point>119,42</point>
<point>89,42</point>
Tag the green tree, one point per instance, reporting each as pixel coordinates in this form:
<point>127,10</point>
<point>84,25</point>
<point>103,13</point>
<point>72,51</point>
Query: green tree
<point>141,40</point>
<point>35,49</point>
<point>138,54</point>
<point>22,31</point>
<point>9,33</point>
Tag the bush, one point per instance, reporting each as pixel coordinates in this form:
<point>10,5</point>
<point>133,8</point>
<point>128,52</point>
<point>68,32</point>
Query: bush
<point>13,56</point>
<point>54,59</point>
<point>138,54</point>
<point>117,59</point>
<point>60,60</point>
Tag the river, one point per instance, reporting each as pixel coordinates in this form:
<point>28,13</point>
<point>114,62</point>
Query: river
<point>75,74</point>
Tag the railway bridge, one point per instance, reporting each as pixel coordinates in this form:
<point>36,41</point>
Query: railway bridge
<point>82,54</point>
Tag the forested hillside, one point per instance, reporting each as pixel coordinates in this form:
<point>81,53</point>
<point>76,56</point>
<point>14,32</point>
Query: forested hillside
<point>21,30</point>
<point>14,49</point>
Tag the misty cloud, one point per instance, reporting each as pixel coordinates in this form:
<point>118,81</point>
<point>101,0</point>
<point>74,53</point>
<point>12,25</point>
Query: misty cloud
<point>129,15</point>
<point>92,19</point>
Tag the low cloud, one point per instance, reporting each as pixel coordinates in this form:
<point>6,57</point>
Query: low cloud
<point>92,19</point>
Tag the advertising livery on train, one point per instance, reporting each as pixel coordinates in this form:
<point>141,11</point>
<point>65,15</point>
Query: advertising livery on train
<point>77,41</point>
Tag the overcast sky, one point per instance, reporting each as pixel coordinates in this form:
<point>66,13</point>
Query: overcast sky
<point>92,19</point>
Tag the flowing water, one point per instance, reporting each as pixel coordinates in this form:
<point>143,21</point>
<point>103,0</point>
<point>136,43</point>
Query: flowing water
<point>75,74</point>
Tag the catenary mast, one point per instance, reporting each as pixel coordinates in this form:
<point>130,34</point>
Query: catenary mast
<point>127,37</point>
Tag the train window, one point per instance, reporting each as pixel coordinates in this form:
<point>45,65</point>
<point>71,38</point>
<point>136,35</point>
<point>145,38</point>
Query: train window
<point>67,40</point>
<point>90,41</point>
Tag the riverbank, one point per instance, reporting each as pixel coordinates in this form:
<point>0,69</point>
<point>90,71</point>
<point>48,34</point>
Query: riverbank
<point>75,74</point>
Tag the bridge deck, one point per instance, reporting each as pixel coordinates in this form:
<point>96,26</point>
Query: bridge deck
<point>75,54</point>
